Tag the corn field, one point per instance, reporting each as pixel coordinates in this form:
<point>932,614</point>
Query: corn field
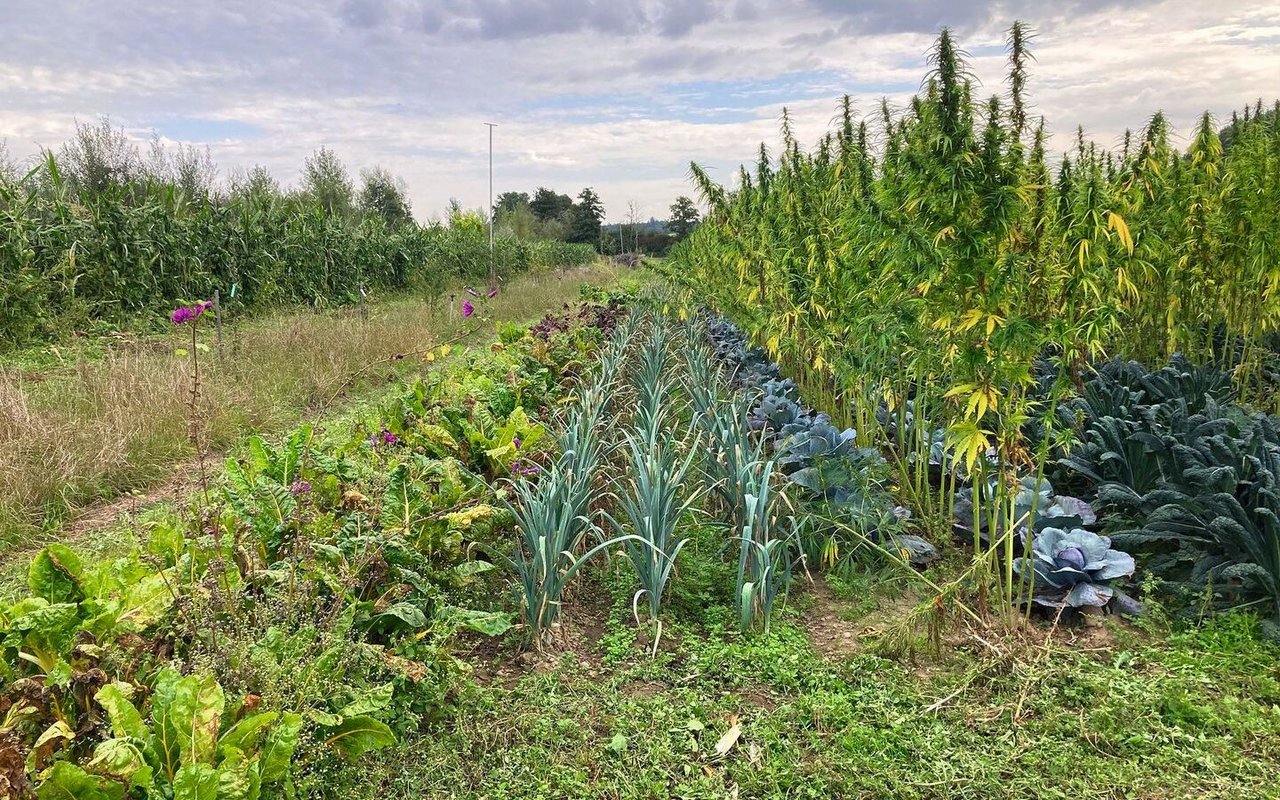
<point>73,257</point>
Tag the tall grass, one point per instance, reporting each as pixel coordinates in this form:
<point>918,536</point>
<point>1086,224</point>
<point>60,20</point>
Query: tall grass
<point>96,427</point>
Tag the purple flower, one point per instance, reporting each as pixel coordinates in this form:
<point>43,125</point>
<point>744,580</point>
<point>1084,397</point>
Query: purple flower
<point>384,436</point>
<point>299,487</point>
<point>493,292</point>
<point>184,314</point>
<point>467,308</point>
<point>515,441</point>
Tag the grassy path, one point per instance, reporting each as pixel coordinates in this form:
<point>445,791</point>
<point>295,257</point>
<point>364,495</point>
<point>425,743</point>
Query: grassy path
<point>85,436</point>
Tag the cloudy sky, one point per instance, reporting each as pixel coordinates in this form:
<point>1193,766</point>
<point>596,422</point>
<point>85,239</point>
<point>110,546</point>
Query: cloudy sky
<point>617,94</point>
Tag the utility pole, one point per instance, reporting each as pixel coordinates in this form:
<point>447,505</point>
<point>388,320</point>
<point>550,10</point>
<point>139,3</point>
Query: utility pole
<point>493,267</point>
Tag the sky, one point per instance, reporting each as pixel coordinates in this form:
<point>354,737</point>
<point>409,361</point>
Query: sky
<point>620,95</point>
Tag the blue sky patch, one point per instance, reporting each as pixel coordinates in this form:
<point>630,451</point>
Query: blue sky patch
<point>725,101</point>
<point>191,129</point>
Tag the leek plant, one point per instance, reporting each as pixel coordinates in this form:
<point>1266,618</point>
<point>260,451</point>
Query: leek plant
<point>651,382</point>
<point>554,517</point>
<point>764,556</point>
<point>731,453</point>
<point>549,515</point>
<point>703,374</point>
<point>654,497</point>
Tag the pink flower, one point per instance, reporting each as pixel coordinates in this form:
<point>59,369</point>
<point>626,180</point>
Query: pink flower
<point>472,292</point>
<point>493,292</point>
<point>467,308</point>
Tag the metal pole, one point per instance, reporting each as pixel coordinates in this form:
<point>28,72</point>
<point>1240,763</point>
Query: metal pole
<point>493,269</point>
<point>217,321</point>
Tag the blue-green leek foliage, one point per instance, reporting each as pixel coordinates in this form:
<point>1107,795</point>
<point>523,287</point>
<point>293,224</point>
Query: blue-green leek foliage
<point>764,553</point>
<point>654,498</point>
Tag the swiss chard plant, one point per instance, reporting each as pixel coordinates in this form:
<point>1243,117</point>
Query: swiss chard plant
<point>191,745</point>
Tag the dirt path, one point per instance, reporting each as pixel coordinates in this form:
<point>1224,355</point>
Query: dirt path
<point>183,481</point>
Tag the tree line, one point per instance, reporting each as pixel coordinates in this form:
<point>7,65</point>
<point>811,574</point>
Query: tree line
<point>551,215</point>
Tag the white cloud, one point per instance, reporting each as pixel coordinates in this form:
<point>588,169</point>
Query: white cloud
<point>580,87</point>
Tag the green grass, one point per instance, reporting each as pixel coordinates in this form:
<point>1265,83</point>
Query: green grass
<point>1191,714</point>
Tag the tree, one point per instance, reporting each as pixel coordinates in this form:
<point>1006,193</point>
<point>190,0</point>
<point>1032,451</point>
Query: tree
<point>98,158</point>
<point>586,218</point>
<point>256,182</point>
<point>383,195</point>
<point>548,205</point>
<point>8,169</point>
<point>510,202</point>
<point>684,218</point>
<point>325,180</point>
<point>188,168</point>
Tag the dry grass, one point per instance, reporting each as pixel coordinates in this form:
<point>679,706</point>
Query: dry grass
<point>99,427</point>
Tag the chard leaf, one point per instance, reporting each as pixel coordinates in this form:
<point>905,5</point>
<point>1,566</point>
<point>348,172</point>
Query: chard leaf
<point>55,574</point>
<point>359,735</point>
<point>277,750</point>
<point>195,782</point>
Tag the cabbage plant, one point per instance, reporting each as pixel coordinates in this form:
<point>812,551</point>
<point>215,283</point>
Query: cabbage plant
<point>1073,569</point>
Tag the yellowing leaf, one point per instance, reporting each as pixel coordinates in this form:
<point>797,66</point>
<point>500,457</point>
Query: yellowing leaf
<point>971,318</point>
<point>1116,223</point>
<point>968,443</point>
<point>963,388</point>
